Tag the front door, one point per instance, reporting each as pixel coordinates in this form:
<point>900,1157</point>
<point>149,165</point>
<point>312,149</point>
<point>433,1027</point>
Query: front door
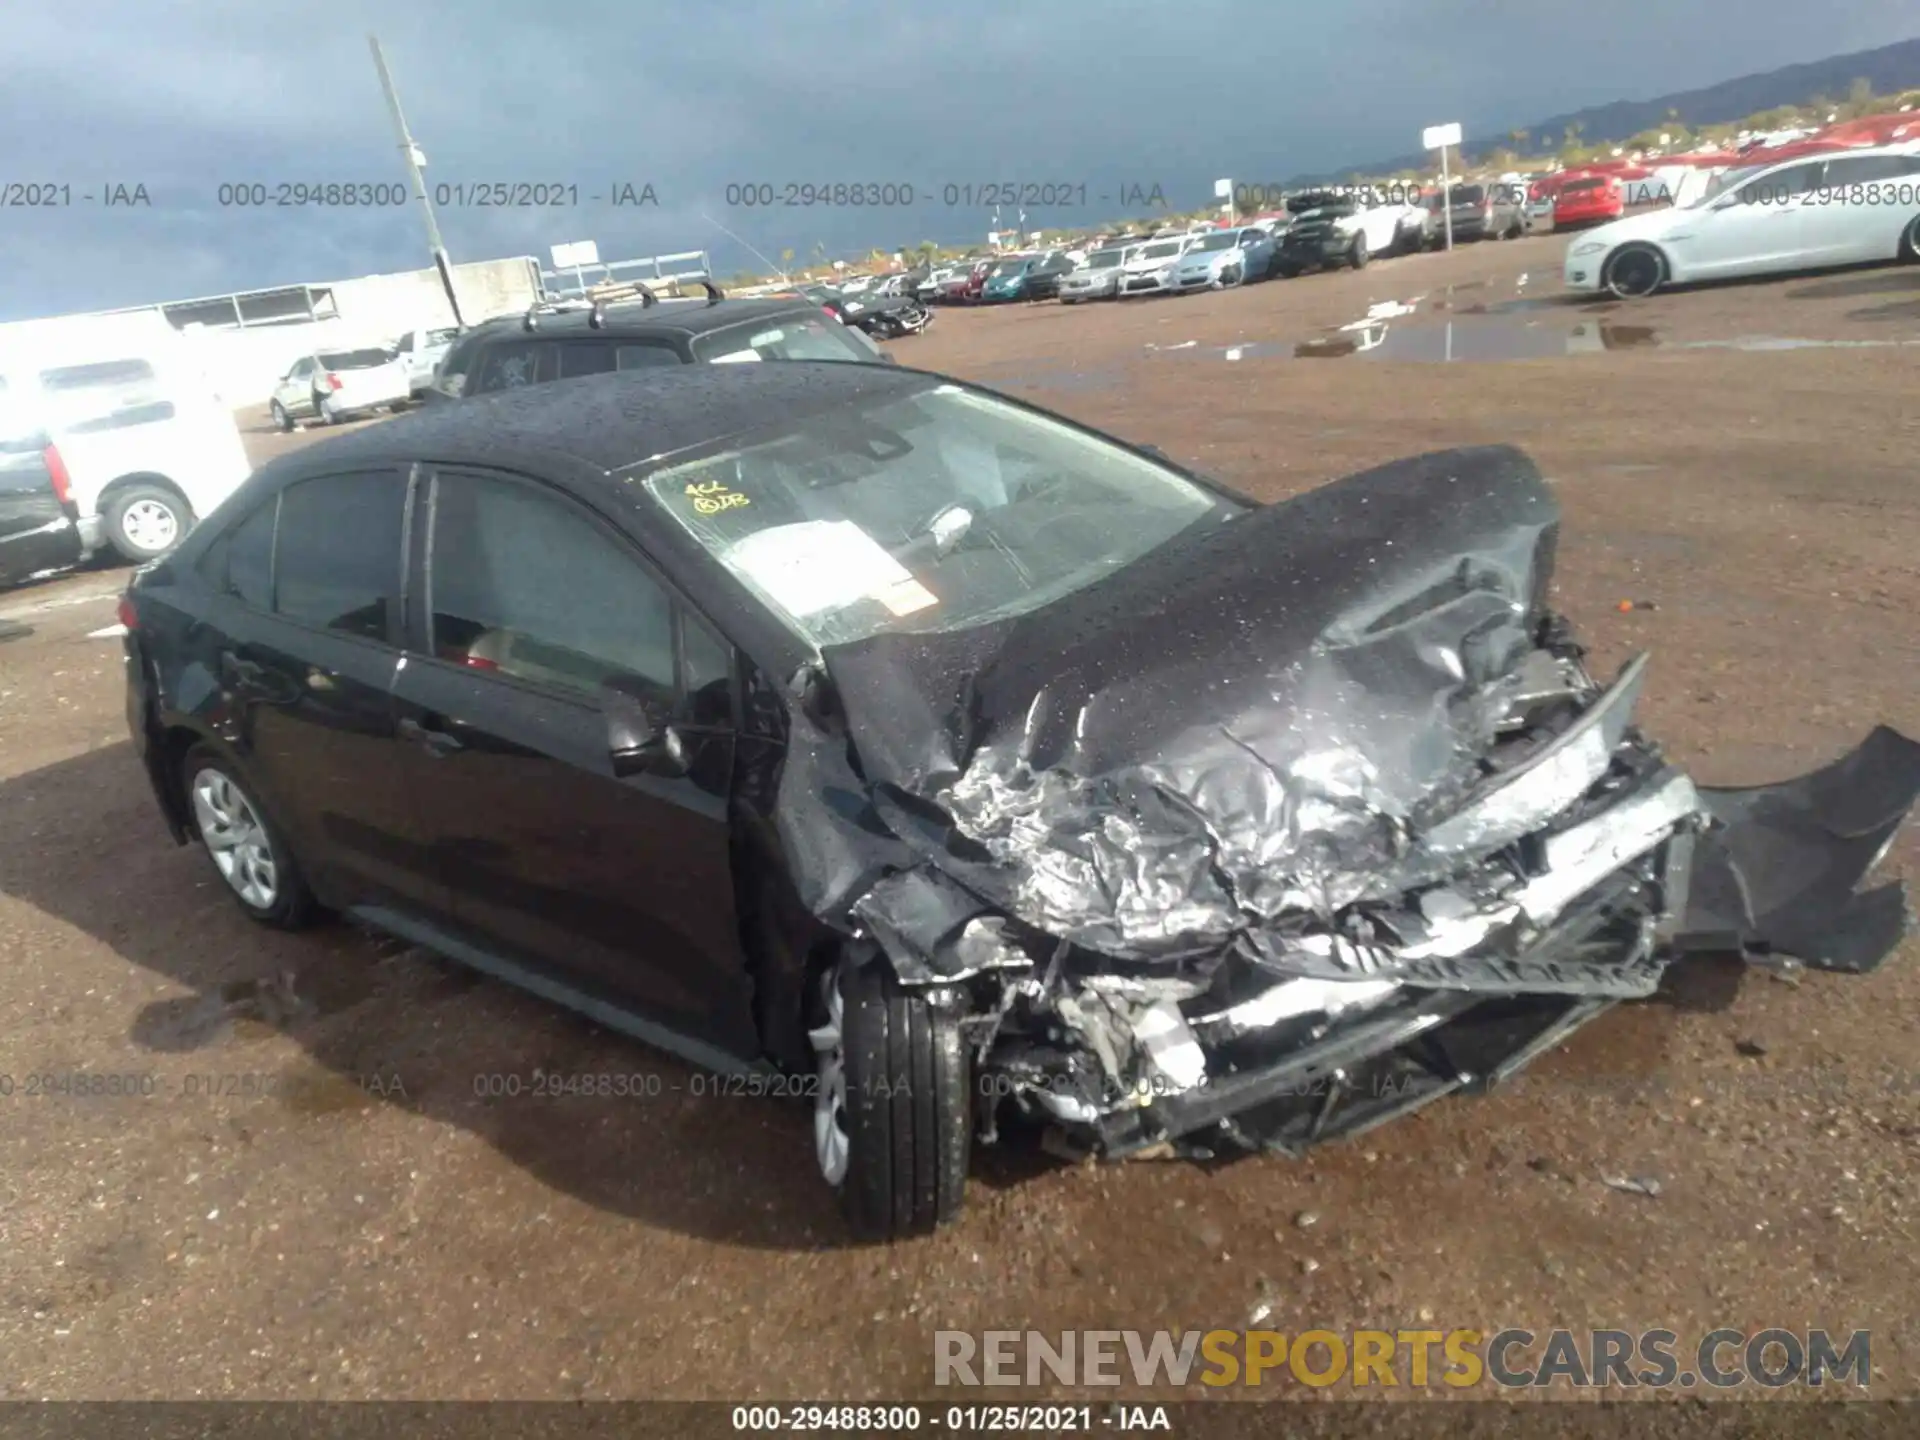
<point>1762,226</point>
<point>618,878</point>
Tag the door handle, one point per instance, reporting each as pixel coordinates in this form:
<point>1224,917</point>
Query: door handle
<point>434,741</point>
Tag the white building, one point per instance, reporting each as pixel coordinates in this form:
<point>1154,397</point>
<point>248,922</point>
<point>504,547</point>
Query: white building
<point>245,341</point>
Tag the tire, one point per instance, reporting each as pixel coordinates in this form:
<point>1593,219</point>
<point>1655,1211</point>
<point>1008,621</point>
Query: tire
<point>281,419</point>
<point>1633,272</point>
<point>246,849</point>
<point>899,1109</point>
<point>1357,257</point>
<point>1232,276</point>
<point>1910,242</point>
<point>144,522</point>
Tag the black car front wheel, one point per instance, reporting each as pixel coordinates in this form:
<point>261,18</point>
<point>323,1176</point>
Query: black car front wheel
<point>1357,257</point>
<point>1634,271</point>
<point>250,855</point>
<point>1910,242</point>
<point>893,1109</point>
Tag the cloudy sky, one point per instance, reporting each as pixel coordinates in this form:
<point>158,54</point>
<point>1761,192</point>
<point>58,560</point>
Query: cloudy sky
<point>601,93</point>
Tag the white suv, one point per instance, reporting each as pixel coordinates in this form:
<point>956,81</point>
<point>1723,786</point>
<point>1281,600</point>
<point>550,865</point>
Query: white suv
<point>149,447</point>
<point>330,385</point>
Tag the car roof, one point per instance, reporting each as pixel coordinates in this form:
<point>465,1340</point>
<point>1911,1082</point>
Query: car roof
<point>596,425</point>
<point>682,317</point>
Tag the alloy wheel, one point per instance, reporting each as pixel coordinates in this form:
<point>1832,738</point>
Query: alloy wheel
<point>832,1144</point>
<point>236,839</point>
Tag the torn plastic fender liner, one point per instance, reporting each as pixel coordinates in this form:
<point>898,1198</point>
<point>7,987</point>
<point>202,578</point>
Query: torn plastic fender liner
<point>1777,872</point>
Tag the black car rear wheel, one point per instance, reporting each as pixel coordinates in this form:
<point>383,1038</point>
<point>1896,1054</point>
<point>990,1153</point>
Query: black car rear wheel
<point>893,1108</point>
<point>249,853</point>
<point>1910,242</point>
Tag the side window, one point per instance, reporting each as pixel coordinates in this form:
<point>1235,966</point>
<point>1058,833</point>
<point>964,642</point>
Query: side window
<point>585,357</point>
<point>337,563</point>
<point>1865,169</point>
<point>1783,185</point>
<point>240,562</point>
<point>405,347</point>
<point>301,370</point>
<point>706,673</point>
<point>525,585</point>
<point>512,364</point>
<point>641,357</point>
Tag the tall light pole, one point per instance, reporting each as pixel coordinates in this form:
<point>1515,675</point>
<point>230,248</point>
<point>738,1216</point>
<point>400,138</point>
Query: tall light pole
<point>411,154</point>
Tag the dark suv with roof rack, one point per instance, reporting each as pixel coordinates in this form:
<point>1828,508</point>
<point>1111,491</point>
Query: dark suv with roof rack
<point>628,327</point>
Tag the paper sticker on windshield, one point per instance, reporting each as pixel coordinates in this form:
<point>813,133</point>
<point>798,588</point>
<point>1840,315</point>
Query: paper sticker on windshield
<point>736,357</point>
<point>907,596</point>
<point>711,497</point>
<point>814,566</point>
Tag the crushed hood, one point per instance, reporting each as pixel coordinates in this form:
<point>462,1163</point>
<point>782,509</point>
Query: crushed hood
<point>1243,722</point>
<point>1341,738</point>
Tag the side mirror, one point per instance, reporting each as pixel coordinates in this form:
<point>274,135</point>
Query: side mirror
<point>636,744</point>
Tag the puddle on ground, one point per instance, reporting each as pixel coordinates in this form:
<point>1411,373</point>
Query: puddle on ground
<point>1488,335</point>
<point>254,1009</point>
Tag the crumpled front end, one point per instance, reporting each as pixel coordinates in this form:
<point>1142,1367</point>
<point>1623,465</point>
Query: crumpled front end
<point>1320,817</point>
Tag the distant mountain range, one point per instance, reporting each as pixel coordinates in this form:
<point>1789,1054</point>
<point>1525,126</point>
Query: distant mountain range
<point>1889,69</point>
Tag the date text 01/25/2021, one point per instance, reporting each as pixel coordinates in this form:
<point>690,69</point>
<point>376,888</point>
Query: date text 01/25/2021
<point>972,194</point>
<point>1003,1419</point>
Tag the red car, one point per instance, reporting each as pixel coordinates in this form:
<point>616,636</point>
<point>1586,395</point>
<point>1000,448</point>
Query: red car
<point>965,289</point>
<point>1587,200</point>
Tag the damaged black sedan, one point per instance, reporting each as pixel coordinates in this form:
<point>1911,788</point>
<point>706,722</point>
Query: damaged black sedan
<point>962,764</point>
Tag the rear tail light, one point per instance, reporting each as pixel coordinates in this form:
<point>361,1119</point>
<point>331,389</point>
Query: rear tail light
<point>333,381</point>
<point>480,662</point>
<point>57,471</point>
<point>126,614</point>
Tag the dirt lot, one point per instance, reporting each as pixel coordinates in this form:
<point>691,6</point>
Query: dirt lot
<point>371,1228</point>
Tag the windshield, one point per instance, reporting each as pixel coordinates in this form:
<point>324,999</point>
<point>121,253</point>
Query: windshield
<point>1008,267</point>
<point>1573,187</point>
<point>1161,251</point>
<point>1225,240</point>
<point>939,511</point>
<point>1467,194</point>
<point>803,336</point>
<point>353,359</point>
<point>442,337</point>
<point>1105,259</point>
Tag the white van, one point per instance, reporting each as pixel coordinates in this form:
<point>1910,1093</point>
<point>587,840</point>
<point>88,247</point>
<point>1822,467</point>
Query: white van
<point>150,448</point>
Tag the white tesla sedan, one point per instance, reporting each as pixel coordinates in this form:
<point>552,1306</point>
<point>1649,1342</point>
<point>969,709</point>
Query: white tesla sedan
<point>1845,208</point>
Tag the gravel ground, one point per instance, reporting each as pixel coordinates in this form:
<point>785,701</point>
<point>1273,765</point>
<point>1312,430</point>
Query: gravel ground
<point>356,1223</point>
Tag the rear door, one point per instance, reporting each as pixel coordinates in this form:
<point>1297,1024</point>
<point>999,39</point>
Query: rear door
<point>307,619</point>
<point>535,610</point>
<point>1856,214</point>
